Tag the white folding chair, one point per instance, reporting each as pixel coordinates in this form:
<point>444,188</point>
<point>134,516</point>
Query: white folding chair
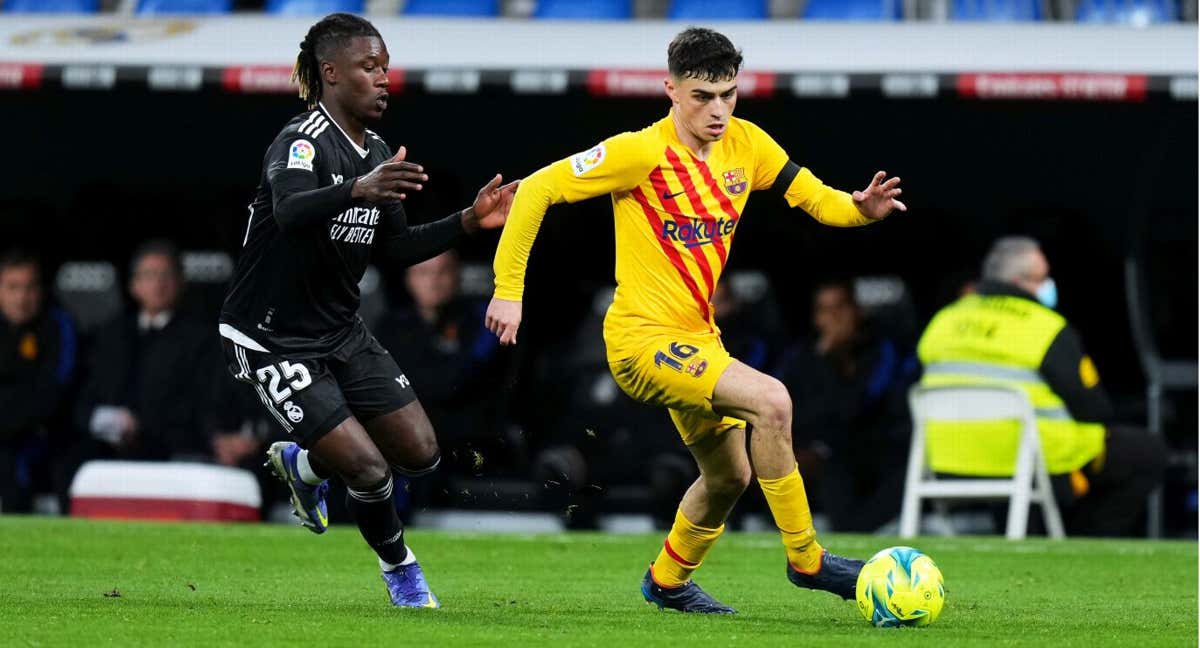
<point>1030,482</point>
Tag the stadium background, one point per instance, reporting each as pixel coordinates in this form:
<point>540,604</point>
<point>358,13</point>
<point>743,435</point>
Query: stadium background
<point>100,157</point>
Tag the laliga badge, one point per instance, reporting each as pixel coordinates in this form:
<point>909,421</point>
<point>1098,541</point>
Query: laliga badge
<point>301,156</point>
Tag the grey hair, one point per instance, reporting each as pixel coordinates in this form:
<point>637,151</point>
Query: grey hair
<point>1010,258</point>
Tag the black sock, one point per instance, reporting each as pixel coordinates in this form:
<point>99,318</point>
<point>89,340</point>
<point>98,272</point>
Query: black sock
<point>377,520</point>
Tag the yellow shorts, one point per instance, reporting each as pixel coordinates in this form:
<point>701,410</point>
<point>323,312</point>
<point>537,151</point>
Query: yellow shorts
<point>679,371</point>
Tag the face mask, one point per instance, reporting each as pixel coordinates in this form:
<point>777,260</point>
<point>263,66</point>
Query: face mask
<point>1047,293</point>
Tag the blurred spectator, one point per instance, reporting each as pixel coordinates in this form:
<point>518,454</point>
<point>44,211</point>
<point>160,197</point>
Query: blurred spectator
<point>37,364</point>
<point>440,343</point>
<point>749,331</point>
<point>151,373</point>
<point>1008,333</point>
<point>851,425</point>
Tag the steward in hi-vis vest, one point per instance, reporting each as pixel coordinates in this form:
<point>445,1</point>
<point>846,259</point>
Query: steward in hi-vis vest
<point>1008,333</point>
<point>1003,336</point>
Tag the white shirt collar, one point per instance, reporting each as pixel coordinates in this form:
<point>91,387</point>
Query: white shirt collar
<point>362,152</point>
<point>147,322</point>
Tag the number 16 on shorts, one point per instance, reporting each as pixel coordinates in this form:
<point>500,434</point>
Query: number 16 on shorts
<point>679,357</point>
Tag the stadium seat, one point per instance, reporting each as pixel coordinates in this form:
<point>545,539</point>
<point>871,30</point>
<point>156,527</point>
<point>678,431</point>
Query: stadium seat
<point>89,291</point>
<point>1138,13</point>
<point>313,7</point>
<point>206,275</point>
<point>452,8</point>
<point>190,7</point>
<point>958,407</point>
<point>51,6</point>
<point>852,10</point>
<point>996,10</point>
<point>718,10</point>
<point>589,10</point>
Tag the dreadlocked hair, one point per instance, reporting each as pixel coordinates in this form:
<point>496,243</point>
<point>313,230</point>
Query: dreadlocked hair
<point>329,34</point>
<point>703,54</point>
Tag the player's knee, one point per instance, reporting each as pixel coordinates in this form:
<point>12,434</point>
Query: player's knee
<point>421,462</point>
<point>365,470</point>
<point>730,485</point>
<point>775,408</point>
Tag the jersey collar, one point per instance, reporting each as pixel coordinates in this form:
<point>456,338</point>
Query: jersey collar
<point>362,152</point>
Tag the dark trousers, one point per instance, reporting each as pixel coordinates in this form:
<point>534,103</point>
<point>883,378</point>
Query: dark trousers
<point>1118,485</point>
<point>14,496</point>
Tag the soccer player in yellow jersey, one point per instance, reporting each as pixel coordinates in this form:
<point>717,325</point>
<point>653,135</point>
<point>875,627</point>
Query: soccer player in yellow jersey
<point>678,189</point>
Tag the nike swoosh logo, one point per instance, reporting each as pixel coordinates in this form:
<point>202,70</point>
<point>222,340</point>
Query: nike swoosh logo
<point>668,196</point>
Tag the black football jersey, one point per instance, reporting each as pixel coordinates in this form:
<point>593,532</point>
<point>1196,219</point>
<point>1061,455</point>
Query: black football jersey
<point>295,288</point>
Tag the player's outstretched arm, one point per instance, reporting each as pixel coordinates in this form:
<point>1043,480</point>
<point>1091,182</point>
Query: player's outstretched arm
<point>491,206</point>
<point>879,198</point>
<point>298,202</point>
<point>838,208</point>
<point>409,244</point>
<point>615,164</point>
<point>797,185</point>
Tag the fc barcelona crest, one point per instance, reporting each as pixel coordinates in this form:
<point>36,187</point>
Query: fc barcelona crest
<point>735,180</point>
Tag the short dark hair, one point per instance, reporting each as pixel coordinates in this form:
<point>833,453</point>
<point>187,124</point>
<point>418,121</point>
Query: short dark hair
<point>329,33</point>
<point>703,54</point>
<point>157,246</point>
<point>20,257</point>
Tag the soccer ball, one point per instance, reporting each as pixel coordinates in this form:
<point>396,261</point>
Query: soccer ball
<point>900,586</point>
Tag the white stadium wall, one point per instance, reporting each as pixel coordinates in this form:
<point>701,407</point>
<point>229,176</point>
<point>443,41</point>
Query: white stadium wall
<point>972,61</point>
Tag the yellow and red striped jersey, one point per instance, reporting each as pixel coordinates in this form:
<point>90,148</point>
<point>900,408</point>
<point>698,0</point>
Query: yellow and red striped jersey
<point>675,217</point>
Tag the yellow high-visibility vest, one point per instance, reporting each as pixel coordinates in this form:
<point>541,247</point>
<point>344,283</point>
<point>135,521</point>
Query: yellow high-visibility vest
<point>999,340</point>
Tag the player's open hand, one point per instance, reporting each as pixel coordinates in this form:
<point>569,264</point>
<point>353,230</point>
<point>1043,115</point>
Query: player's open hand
<point>389,181</point>
<point>503,319</point>
<point>491,206</point>
<point>879,198</point>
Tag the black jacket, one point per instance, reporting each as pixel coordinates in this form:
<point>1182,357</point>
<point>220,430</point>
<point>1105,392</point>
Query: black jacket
<point>37,365</point>
<point>165,377</point>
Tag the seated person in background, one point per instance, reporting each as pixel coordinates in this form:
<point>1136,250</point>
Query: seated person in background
<point>1009,334</point>
<point>151,372</point>
<point>37,364</point>
<point>441,341</point>
<point>851,418</point>
<point>748,333</point>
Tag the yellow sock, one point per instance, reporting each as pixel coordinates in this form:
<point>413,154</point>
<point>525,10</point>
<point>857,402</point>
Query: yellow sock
<point>789,505</point>
<point>683,551</point>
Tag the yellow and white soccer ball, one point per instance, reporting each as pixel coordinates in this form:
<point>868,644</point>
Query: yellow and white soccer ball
<point>900,586</point>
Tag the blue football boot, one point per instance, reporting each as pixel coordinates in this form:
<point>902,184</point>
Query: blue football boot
<point>407,587</point>
<point>685,598</point>
<point>837,575</point>
<point>308,501</point>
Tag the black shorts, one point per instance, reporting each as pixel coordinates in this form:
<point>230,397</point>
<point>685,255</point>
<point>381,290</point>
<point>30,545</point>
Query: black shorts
<point>311,396</point>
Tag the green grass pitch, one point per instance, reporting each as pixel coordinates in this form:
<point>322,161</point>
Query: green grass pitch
<point>199,584</point>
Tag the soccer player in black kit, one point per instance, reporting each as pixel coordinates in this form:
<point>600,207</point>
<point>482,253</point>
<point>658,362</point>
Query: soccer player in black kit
<point>330,192</point>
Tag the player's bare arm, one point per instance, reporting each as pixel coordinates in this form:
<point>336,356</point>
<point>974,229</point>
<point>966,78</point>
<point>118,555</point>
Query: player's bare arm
<point>880,197</point>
